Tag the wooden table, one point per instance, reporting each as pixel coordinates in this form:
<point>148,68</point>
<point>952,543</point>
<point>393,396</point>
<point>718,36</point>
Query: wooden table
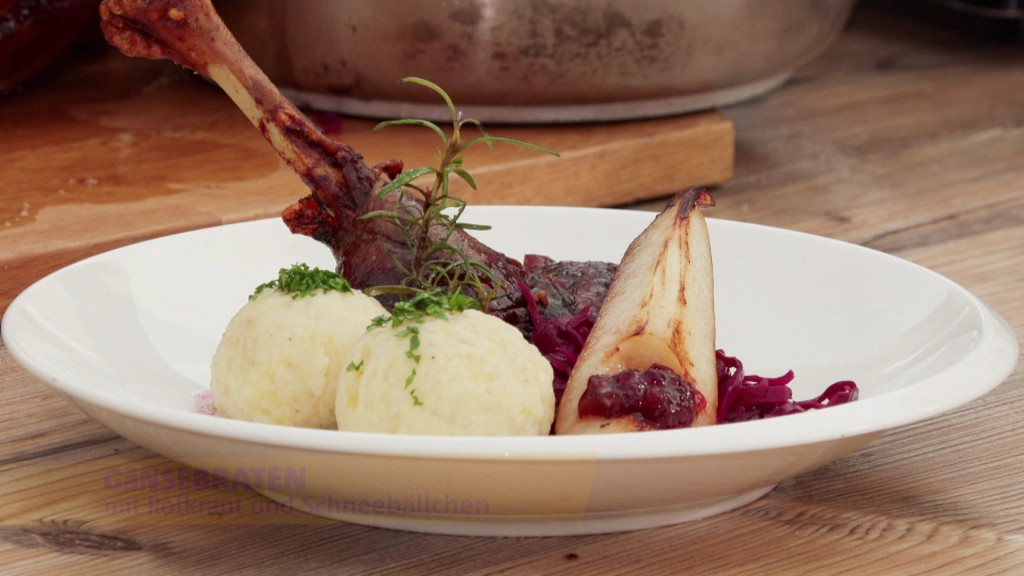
<point>903,137</point>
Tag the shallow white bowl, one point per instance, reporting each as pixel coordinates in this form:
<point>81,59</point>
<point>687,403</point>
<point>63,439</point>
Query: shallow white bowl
<point>128,336</point>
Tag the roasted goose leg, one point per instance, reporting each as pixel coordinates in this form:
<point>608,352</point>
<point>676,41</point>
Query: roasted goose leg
<point>191,34</point>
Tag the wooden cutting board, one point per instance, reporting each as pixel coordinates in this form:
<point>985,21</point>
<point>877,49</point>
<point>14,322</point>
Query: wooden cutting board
<point>107,150</point>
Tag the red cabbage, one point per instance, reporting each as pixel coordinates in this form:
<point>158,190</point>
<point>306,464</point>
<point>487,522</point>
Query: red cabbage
<point>741,397</point>
<point>559,339</point>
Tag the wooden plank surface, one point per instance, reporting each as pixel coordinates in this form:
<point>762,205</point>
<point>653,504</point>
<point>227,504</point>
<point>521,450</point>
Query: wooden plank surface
<point>904,137</point>
<point>111,150</point>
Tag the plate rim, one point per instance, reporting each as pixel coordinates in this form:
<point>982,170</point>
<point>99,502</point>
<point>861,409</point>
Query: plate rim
<point>997,351</point>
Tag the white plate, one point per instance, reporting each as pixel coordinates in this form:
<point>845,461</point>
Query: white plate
<point>128,336</point>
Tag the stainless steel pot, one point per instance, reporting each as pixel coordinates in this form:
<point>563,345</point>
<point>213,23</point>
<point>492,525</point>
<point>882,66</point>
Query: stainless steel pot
<point>532,60</point>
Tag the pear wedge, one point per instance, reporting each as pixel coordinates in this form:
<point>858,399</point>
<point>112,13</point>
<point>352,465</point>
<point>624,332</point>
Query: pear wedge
<point>659,310</point>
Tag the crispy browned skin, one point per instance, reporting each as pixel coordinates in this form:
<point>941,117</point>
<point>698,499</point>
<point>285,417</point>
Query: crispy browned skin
<point>191,34</point>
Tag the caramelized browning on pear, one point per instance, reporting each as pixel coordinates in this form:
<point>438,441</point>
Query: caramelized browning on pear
<point>659,310</point>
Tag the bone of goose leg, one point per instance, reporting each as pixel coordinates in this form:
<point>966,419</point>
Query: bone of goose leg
<point>191,34</point>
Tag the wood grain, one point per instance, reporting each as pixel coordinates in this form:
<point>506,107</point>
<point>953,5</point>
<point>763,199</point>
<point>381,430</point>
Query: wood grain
<point>904,137</point>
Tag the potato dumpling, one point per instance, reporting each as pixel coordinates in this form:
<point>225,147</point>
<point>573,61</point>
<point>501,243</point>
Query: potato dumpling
<point>280,356</point>
<point>476,376</point>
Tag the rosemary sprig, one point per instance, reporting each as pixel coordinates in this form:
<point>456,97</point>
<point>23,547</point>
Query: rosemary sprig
<point>439,278</point>
<point>437,264</point>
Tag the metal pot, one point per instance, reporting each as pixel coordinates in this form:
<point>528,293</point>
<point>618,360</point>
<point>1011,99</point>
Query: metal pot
<point>532,60</point>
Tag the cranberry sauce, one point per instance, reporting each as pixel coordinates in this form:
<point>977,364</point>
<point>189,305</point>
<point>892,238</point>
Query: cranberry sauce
<point>658,397</point>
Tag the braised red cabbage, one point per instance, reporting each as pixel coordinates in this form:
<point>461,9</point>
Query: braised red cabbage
<point>744,397</point>
<point>741,397</point>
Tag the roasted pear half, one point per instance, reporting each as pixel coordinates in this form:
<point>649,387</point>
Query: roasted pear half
<point>659,311</point>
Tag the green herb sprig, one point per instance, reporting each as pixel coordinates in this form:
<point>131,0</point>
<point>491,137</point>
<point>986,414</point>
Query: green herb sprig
<point>436,263</point>
<point>301,281</point>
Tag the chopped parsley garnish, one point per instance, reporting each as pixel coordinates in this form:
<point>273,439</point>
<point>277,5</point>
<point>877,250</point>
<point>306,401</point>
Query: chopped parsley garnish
<point>423,304</point>
<point>300,281</point>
